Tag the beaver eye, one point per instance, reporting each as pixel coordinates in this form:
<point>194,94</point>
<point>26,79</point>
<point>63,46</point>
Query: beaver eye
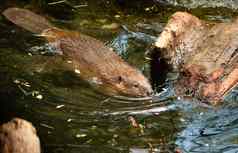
<point>136,85</point>
<point>120,79</point>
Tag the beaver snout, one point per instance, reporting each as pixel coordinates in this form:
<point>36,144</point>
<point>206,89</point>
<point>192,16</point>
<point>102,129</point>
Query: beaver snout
<point>149,93</point>
<point>141,90</point>
<point>144,91</point>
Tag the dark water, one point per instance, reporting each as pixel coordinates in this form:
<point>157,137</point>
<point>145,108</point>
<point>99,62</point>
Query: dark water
<point>70,116</point>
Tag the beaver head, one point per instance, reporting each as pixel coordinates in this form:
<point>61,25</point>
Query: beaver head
<point>130,84</point>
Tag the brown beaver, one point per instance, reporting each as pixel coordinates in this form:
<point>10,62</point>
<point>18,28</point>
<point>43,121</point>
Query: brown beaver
<point>19,136</point>
<point>205,54</point>
<point>94,61</point>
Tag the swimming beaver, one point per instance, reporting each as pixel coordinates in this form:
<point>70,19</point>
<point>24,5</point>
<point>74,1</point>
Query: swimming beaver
<point>205,54</point>
<point>94,61</point>
<point>19,136</point>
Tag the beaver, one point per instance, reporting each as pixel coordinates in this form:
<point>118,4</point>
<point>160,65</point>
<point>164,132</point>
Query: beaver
<point>90,58</point>
<point>205,55</point>
<point>19,136</point>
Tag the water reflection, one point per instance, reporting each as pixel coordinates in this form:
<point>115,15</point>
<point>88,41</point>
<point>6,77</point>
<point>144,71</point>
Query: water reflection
<point>211,129</point>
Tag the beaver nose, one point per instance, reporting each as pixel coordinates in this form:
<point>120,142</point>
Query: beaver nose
<point>150,93</point>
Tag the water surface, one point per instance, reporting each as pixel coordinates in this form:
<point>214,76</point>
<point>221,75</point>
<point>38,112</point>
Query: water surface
<point>71,116</point>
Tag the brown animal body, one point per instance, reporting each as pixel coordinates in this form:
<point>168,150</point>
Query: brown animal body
<point>205,54</point>
<point>94,61</point>
<point>18,136</point>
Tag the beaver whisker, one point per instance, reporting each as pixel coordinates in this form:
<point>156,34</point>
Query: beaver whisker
<point>133,98</point>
